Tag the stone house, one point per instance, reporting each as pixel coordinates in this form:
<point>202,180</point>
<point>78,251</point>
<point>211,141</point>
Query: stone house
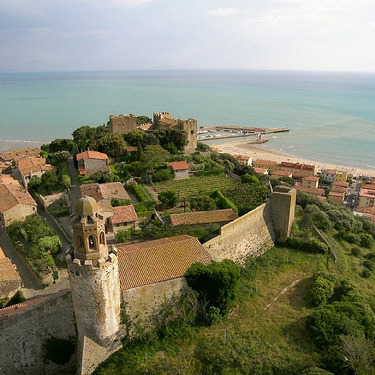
<point>154,270</point>
<point>277,173</point>
<point>103,193</point>
<point>336,197</point>
<point>266,164</point>
<point>243,159</point>
<point>15,202</point>
<point>90,162</point>
<point>328,175</point>
<point>310,182</point>
<point>10,280</point>
<point>316,193</point>
<point>204,217</point>
<point>261,171</point>
<point>179,168</point>
<point>298,170</point>
<point>30,166</point>
<point>123,217</point>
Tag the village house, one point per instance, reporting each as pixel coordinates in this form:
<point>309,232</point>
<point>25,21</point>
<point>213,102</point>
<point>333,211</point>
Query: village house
<point>204,217</point>
<point>316,193</point>
<point>336,197</point>
<point>10,281</point>
<point>277,173</point>
<point>261,171</point>
<point>341,176</point>
<point>121,217</point>
<point>366,197</point>
<point>15,202</point>
<point>90,162</point>
<point>104,193</point>
<point>310,182</point>
<point>265,164</point>
<point>243,159</point>
<point>179,168</point>
<point>14,156</point>
<point>31,166</point>
<point>340,187</point>
<point>328,175</point>
<point>298,170</point>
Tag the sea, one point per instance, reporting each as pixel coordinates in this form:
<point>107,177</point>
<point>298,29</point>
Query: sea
<point>331,116</point>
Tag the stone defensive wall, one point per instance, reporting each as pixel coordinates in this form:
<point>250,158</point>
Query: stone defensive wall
<point>24,335</point>
<point>251,234</point>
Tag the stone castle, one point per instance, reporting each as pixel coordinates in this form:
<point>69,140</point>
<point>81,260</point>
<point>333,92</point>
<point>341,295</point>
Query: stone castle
<point>126,123</point>
<point>141,274</point>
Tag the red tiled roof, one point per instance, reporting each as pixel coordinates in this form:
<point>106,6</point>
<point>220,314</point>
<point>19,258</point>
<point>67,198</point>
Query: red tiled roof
<point>203,217</point>
<point>131,148</point>
<point>19,307</point>
<point>154,261</point>
<point>124,214</point>
<point>330,171</point>
<point>367,193</point>
<point>338,189</point>
<point>15,155</point>
<point>278,172</point>
<point>341,183</point>
<point>310,190</point>
<point>311,178</point>
<point>91,155</point>
<point>107,190</point>
<point>336,194</point>
<point>260,170</point>
<point>285,164</point>
<point>368,186</point>
<point>266,162</point>
<point>178,165</point>
<point>33,164</point>
<point>12,194</point>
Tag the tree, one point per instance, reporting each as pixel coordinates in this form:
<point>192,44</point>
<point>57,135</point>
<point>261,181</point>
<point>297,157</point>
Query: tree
<point>202,203</point>
<point>162,175</point>
<point>153,157</point>
<point>138,137</point>
<point>172,139</point>
<point>61,144</point>
<point>168,198</point>
<point>50,244</point>
<point>112,144</point>
<point>60,156</point>
<point>249,179</point>
<point>366,240</point>
<point>34,182</point>
<point>215,282</point>
<point>49,180</point>
<point>143,120</point>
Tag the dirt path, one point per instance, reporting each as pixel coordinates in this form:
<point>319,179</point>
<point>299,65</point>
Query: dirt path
<point>292,285</point>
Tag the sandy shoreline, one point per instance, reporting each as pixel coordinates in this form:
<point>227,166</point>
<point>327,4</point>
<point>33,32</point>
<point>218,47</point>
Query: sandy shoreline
<point>257,152</point>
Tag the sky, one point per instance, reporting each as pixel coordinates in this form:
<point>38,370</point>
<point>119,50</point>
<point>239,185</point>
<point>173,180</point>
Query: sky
<point>90,35</point>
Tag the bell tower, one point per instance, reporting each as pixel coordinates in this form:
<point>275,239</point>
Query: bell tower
<point>95,284</point>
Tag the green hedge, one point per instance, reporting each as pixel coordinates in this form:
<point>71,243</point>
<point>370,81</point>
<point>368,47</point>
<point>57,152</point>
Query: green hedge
<point>143,195</point>
<point>222,201</point>
<point>309,246</point>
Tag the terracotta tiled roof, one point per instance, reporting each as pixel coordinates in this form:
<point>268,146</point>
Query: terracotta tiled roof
<point>338,189</point>
<point>131,148</point>
<point>15,155</point>
<point>341,183</point>
<point>310,190</point>
<point>279,172</point>
<point>12,194</point>
<point>311,178</point>
<point>154,261</point>
<point>368,186</point>
<point>330,171</point>
<point>7,269</point>
<point>242,157</point>
<point>178,165</point>
<point>124,214</point>
<point>14,309</point>
<point>32,164</point>
<point>91,155</point>
<point>285,164</point>
<point>367,193</point>
<point>265,162</point>
<point>336,194</point>
<point>203,217</point>
<point>260,170</point>
<point>108,190</point>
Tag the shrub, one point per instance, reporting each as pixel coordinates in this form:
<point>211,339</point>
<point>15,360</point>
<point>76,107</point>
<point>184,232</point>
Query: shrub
<point>366,240</point>
<point>322,288</point>
<point>352,238</point>
<point>249,179</point>
<point>168,198</point>
<point>123,235</point>
<point>162,175</point>
<point>202,203</point>
<point>310,246</point>
<point>213,316</point>
<point>215,282</point>
<point>315,371</point>
<point>370,256</point>
<point>369,265</point>
<point>294,242</point>
<point>366,273</point>
<point>222,201</point>
<point>356,251</point>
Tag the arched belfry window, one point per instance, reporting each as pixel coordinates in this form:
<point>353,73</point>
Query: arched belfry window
<point>90,220</point>
<point>80,243</point>
<point>102,238</point>
<point>92,242</point>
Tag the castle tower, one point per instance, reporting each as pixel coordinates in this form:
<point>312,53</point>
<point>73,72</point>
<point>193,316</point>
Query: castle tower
<point>122,124</point>
<point>95,285</point>
<point>283,205</point>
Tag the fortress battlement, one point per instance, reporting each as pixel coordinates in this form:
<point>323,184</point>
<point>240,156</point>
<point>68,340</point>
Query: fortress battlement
<point>101,262</point>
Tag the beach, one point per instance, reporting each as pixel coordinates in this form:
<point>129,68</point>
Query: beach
<point>258,152</point>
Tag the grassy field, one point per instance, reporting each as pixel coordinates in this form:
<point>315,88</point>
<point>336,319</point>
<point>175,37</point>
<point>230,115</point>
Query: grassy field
<point>193,186</point>
<point>265,333</point>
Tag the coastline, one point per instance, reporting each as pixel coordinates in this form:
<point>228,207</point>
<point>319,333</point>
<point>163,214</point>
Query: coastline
<point>257,152</point>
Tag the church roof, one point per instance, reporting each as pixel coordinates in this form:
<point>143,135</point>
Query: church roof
<point>159,260</point>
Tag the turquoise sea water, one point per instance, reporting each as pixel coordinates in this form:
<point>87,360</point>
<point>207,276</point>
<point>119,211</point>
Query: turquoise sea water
<point>331,115</point>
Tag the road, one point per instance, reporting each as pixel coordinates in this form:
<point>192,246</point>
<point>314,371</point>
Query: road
<point>75,193</point>
<point>352,198</point>
<point>27,276</point>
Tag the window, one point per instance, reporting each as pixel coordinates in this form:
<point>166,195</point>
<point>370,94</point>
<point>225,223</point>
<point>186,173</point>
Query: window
<point>102,238</point>
<point>92,242</point>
